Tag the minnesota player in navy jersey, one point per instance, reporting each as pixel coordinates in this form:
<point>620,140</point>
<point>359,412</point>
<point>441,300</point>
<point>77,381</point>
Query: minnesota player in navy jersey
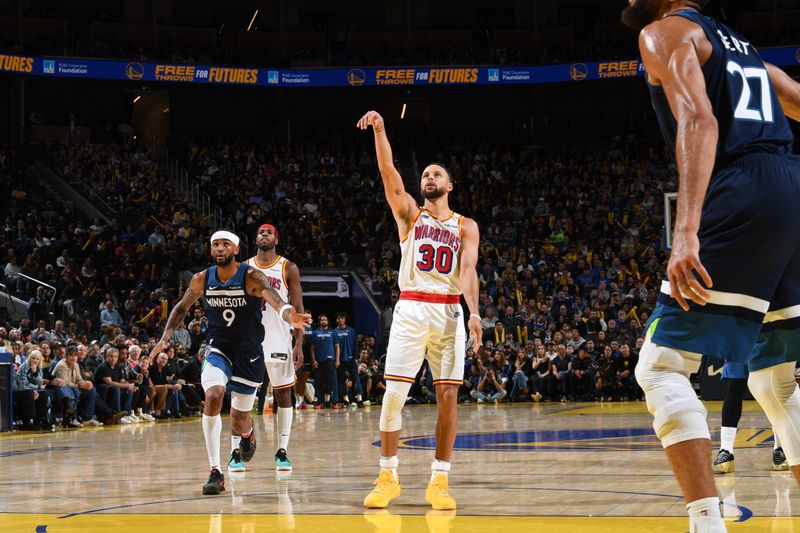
<point>734,269</point>
<point>232,294</point>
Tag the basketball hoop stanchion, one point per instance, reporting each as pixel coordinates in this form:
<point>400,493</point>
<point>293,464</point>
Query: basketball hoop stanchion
<point>670,205</point>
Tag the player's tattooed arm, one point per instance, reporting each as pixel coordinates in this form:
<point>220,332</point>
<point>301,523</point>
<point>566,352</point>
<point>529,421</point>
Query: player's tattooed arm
<point>193,292</point>
<point>258,285</point>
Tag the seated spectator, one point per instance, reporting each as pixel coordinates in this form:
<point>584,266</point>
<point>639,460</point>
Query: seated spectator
<point>540,376</point>
<point>31,401</point>
<point>111,386</point>
<point>74,393</point>
<point>83,356</point>
<point>164,389</point>
<point>128,361</point>
<point>582,377</point>
<point>608,383</point>
<point>626,365</point>
<point>181,337</point>
<point>148,396</point>
<point>110,316</point>
<point>561,368</point>
<point>519,378</point>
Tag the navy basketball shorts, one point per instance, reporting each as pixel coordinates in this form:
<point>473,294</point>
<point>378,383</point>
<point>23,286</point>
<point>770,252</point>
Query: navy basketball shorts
<point>750,245</point>
<point>244,374</point>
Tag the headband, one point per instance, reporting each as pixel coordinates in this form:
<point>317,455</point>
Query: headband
<point>274,229</point>
<point>222,234</point>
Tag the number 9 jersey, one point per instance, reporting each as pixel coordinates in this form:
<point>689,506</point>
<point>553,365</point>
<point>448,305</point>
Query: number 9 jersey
<point>429,261</point>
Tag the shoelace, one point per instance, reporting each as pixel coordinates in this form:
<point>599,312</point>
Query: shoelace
<point>439,484</point>
<point>383,483</point>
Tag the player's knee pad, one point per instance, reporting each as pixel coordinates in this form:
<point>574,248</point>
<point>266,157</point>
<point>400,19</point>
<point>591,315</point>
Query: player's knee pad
<point>242,402</point>
<point>213,376</point>
<point>663,374</point>
<point>777,393</point>
<point>393,401</point>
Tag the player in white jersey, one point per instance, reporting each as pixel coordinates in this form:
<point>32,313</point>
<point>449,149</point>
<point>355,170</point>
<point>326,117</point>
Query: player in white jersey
<point>282,360</point>
<point>439,255</point>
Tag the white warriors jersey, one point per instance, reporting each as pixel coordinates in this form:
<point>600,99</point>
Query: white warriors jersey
<point>277,332</point>
<point>429,262</point>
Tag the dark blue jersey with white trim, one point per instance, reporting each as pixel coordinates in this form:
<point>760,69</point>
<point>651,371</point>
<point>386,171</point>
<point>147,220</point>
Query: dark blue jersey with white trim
<point>234,317</point>
<point>749,115</point>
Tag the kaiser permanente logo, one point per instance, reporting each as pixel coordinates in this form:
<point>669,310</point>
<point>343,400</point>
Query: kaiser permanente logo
<point>49,66</point>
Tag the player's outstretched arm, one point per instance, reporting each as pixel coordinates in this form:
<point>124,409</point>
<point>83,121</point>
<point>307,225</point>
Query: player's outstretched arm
<point>258,285</point>
<point>403,205</point>
<point>468,277</point>
<point>669,51</point>
<point>193,292</point>
<point>296,297</point>
<point>788,91</point>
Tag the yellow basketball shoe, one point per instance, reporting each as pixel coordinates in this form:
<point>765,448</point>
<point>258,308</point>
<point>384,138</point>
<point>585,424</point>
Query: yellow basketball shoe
<point>387,488</point>
<point>438,494</point>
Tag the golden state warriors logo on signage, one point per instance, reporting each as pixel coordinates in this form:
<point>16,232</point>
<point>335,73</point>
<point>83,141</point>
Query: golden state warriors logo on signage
<point>575,440</point>
<point>578,72</point>
<point>356,77</point>
<point>134,71</point>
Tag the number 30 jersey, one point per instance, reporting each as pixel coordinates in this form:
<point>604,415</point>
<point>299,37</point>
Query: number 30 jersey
<point>234,317</point>
<point>748,113</point>
<point>429,262</point>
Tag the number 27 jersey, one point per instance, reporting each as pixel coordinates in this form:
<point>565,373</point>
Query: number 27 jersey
<point>429,262</point>
<point>748,113</point>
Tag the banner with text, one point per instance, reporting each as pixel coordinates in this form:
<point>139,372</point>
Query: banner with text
<point>100,69</point>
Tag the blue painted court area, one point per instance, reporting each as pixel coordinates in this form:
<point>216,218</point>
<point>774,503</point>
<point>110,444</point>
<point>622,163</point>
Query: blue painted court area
<point>611,439</point>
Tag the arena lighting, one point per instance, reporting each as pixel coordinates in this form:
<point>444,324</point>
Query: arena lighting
<point>138,97</point>
<point>165,110</point>
<point>252,20</point>
<point>403,112</point>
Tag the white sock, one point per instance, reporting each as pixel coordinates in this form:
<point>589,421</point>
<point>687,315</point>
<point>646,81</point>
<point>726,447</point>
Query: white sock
<point>212,430</point>
<point>728,507</point>
<point>777,443</point>
<point>390,464</point>
<point>705,517</point>
<point>439,467</point>
<point>727,436</point>
<point>285,415</point>
<point>235,440</point>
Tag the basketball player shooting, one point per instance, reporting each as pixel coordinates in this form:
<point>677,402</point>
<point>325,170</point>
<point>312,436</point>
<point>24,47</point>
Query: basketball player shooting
<point>232,294</point>
<point>722,111</point>
<point>439,255</point>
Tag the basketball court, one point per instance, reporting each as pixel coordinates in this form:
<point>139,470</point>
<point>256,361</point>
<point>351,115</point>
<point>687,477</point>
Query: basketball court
<point>526,467</point>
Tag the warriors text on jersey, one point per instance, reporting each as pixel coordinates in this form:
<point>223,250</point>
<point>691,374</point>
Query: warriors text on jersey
<point>278,332</point>
<point>234,317</point>
<point>429,261</point>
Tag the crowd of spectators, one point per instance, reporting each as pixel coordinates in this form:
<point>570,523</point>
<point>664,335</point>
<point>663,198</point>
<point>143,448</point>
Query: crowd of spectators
<point>569,268</point>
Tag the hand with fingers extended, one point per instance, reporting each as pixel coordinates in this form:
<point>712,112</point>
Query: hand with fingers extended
<point>371,118</point>
<point>684,268</point>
